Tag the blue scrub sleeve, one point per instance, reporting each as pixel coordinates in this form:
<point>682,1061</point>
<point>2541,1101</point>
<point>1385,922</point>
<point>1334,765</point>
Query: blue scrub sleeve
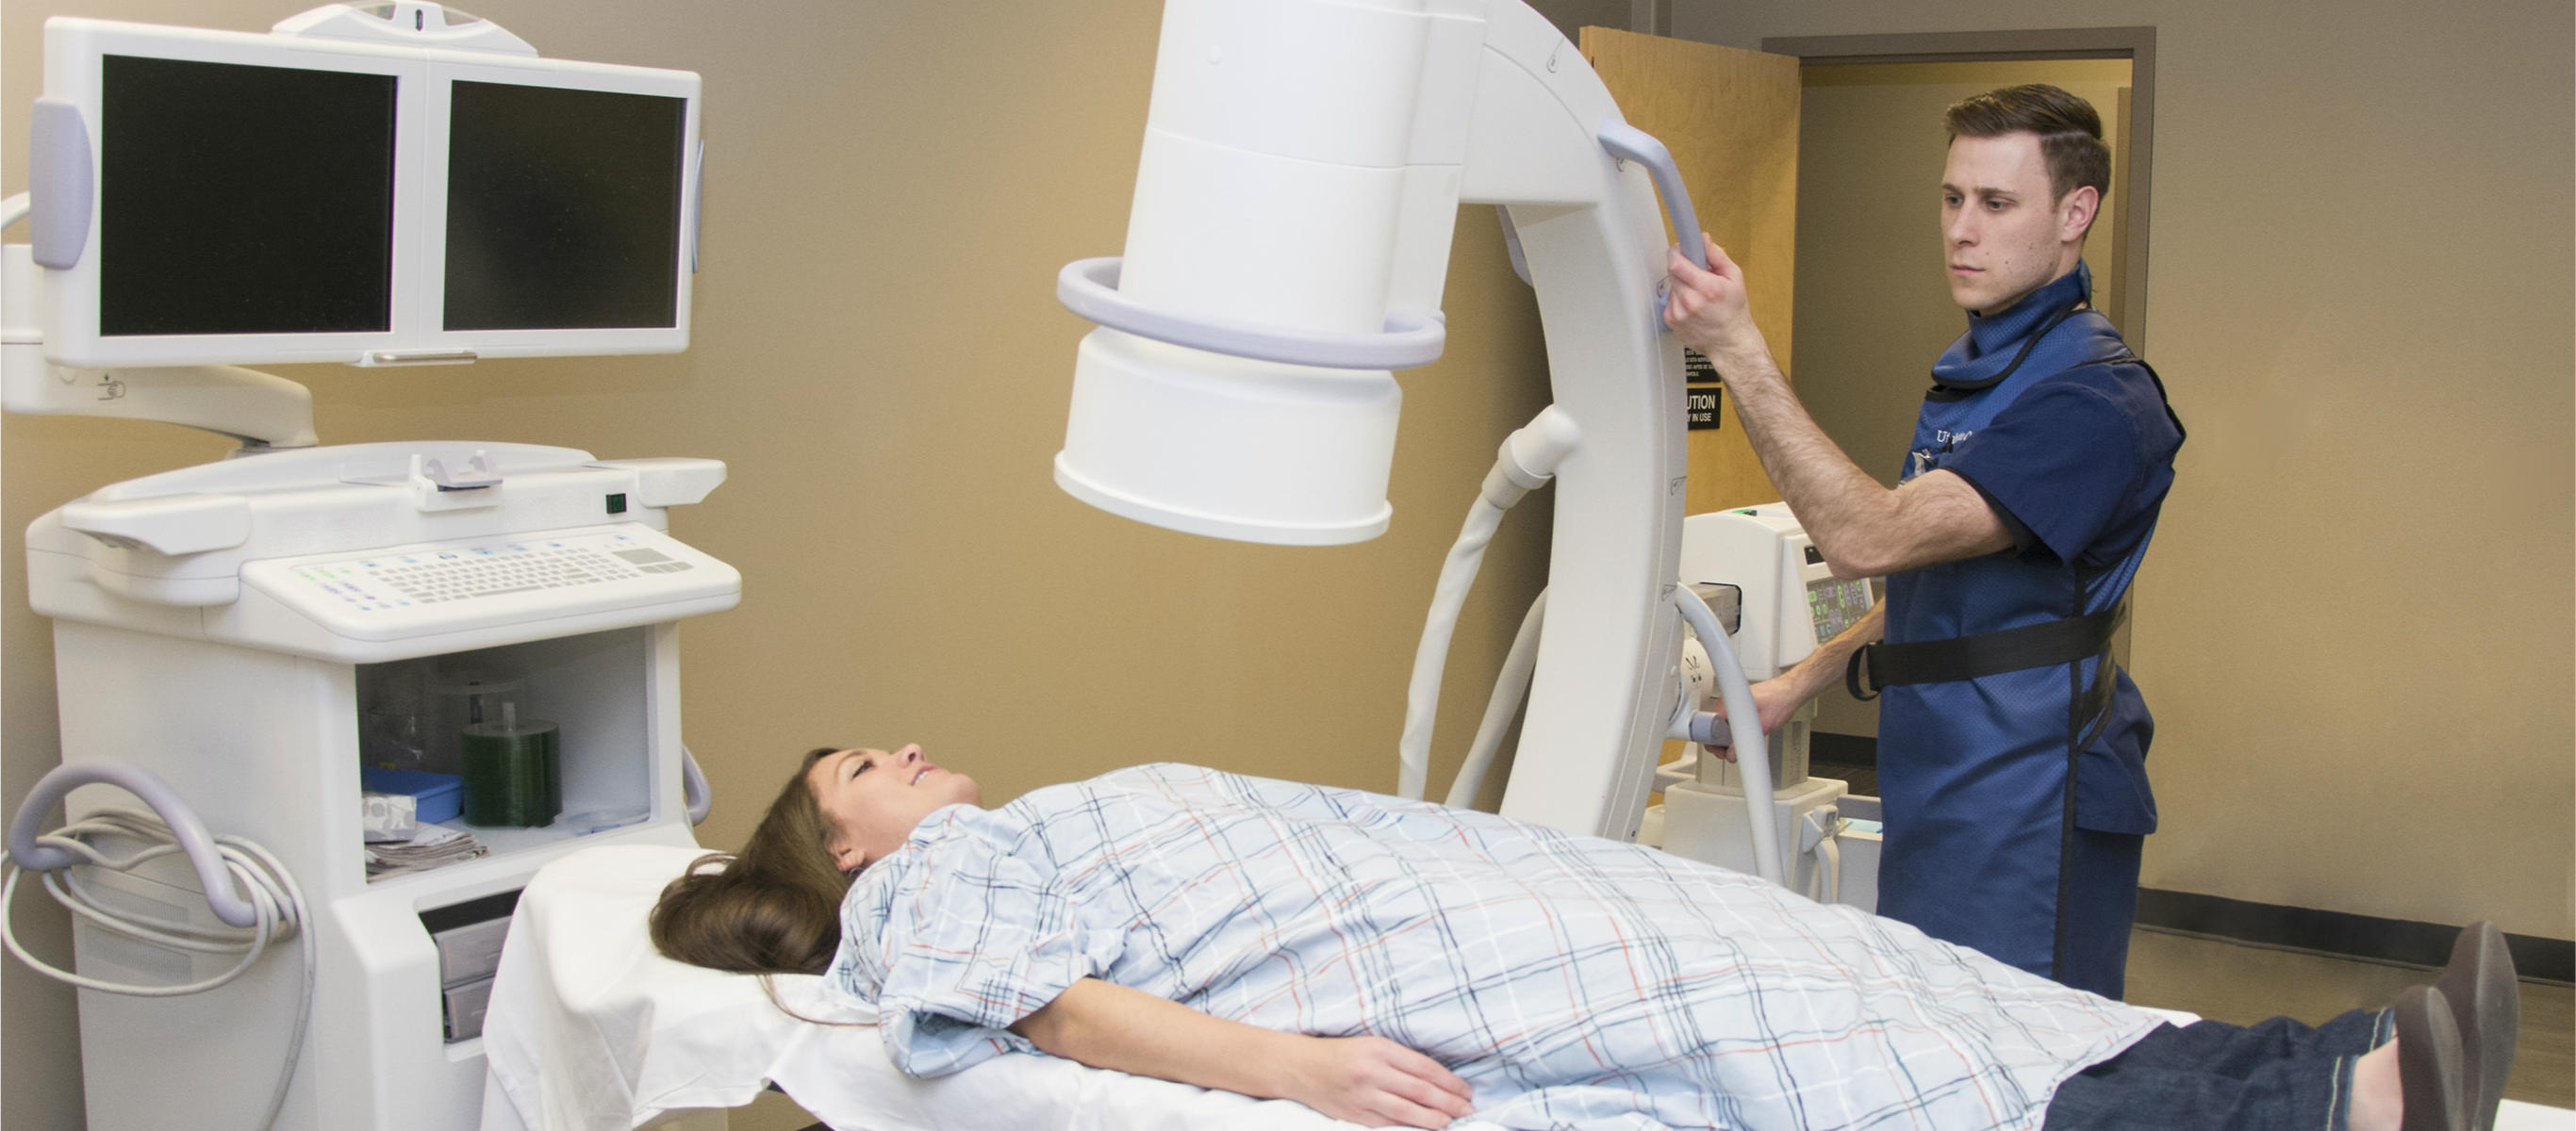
<point>2057,465</point>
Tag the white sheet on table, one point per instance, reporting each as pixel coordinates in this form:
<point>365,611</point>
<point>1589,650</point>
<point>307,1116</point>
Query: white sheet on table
<point>591,1030</point>
<point>624,1035</point>
<point>614,1026</point>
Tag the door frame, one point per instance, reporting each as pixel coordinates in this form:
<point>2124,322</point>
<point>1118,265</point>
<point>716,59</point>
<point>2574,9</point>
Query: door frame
<point>2135,44</point>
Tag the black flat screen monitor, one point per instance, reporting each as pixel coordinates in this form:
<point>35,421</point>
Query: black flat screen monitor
<point>563,208</point>
<point>244,200</point>
<point>278,198</point>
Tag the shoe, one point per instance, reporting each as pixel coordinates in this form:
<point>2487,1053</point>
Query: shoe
<point>2428,1063</point>
<point>2486,1007</point>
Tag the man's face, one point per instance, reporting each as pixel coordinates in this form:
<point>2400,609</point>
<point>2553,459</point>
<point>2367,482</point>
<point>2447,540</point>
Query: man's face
<point>2001,233</point>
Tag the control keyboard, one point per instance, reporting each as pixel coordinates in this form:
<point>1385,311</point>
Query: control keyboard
<point>428,587</point>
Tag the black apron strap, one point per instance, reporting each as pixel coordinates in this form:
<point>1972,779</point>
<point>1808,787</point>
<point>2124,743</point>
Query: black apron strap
<point>1878,666</point>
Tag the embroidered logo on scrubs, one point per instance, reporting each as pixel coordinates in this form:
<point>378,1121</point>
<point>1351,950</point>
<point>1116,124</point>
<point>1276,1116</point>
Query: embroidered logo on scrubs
<point>1925,459</point>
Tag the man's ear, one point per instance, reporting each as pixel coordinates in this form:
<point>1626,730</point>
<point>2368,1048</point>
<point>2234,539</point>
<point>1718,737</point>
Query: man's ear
<point>2075,213</point>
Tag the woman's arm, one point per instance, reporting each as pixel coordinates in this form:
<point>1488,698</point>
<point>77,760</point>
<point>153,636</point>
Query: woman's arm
<point>1367,1080</point>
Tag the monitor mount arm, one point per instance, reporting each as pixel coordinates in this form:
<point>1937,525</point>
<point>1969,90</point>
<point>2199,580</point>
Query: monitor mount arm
<point>262,410</point>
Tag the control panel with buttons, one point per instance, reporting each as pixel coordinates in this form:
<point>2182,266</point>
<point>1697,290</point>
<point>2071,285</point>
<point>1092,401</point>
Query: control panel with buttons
<point>424,588</point>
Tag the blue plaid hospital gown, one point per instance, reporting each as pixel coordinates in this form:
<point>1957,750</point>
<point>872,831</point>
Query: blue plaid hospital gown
<point>1572,981</point>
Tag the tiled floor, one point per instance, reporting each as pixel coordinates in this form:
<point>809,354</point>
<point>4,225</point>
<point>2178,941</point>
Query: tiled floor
<point>2233,982</point>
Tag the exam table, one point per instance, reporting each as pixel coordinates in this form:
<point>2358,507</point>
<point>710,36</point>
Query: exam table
<point>590,1029</point>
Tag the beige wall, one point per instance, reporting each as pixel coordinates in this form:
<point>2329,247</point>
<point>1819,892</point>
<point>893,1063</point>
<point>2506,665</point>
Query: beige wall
<point>880,360</point>
<point>2357,639</point>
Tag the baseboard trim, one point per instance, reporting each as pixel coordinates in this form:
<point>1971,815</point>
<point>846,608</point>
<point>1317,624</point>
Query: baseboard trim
<point>2335,932</point>
<point>2266,924</point>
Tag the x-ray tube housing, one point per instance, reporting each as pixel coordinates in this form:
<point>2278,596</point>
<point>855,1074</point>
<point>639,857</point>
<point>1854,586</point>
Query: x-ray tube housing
<point>1301,178</point>
<point>1271,194</point>
<point>1247,450</point>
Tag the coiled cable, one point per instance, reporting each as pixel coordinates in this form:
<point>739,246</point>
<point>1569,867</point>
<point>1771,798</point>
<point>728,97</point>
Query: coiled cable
<point>273,893</point>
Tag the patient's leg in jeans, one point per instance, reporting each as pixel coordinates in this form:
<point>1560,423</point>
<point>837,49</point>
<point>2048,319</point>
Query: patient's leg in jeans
<point>2210,1074</point>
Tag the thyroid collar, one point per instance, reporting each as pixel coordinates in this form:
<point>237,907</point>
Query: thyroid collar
<point>1976,360</point>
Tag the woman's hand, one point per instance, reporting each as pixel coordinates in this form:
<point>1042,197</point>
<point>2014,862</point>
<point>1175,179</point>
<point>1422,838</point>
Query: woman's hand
<point>1372,1081</point>
<point>1368,1080</point>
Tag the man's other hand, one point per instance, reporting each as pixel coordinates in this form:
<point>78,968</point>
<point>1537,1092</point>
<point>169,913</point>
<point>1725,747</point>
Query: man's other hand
<point>1774,700</point>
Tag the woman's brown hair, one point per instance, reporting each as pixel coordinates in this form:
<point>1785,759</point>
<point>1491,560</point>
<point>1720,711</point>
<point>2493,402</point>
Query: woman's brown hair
<point>772,908</point>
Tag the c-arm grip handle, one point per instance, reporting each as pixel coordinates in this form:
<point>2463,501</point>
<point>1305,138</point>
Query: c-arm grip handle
<point>1089,287</point>
<point>694,791</point>
<point>185,828</point>
<point>1744,724</point>
<point>1629,143</point>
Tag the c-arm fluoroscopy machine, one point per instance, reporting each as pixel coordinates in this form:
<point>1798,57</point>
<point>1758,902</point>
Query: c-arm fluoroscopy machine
<point>1286,252</point>
<point>1302,164</point>
<point>382,185</point>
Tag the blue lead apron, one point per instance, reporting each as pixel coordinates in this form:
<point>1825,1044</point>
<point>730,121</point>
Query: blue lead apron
<point>2011,748</point>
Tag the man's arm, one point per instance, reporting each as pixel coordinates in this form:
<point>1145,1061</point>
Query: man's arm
<point>1863,529</point>
<point>1781,695</point>
<point>1824,667</point>
<point>1366,1080</point>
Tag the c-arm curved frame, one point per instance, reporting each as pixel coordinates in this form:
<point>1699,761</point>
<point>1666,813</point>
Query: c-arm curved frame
<point>1593,236</point>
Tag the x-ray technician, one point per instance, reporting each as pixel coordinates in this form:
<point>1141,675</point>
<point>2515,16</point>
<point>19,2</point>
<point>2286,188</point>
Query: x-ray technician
<point>2012,749</point>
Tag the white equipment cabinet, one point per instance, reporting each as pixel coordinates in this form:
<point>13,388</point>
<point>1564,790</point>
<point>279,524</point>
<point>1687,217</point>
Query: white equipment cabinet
<point>215,625</point>
<point>1790,602</point>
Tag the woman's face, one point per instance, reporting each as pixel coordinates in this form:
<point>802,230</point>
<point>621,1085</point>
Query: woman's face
<point>873,799</point>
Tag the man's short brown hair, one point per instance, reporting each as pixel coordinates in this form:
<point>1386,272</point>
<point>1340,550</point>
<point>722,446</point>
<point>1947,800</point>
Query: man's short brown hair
<point>2070,131</point>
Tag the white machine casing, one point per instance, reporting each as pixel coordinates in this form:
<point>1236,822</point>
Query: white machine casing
<point>1789,598</point>
<point>198,635</point>
<point>1322,142</point>
<point>211,552</point>
<point>231,629</point>
<point>1300,175</point>
<point>1765,554</point>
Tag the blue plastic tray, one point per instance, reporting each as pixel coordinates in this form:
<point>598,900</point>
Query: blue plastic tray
<point>435,797</point>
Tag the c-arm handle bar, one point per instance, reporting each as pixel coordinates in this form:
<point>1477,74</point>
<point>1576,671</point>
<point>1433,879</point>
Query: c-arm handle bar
<point>1089,288</point>
<point>1628,143</point>
<point>694,791</point>
<point>185,828</point>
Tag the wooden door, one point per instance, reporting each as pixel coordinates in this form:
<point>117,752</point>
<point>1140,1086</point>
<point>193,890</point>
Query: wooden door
<point>1730,118</point>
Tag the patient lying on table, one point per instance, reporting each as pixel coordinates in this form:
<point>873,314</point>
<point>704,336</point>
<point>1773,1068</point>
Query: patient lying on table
<point>1403,963</point>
